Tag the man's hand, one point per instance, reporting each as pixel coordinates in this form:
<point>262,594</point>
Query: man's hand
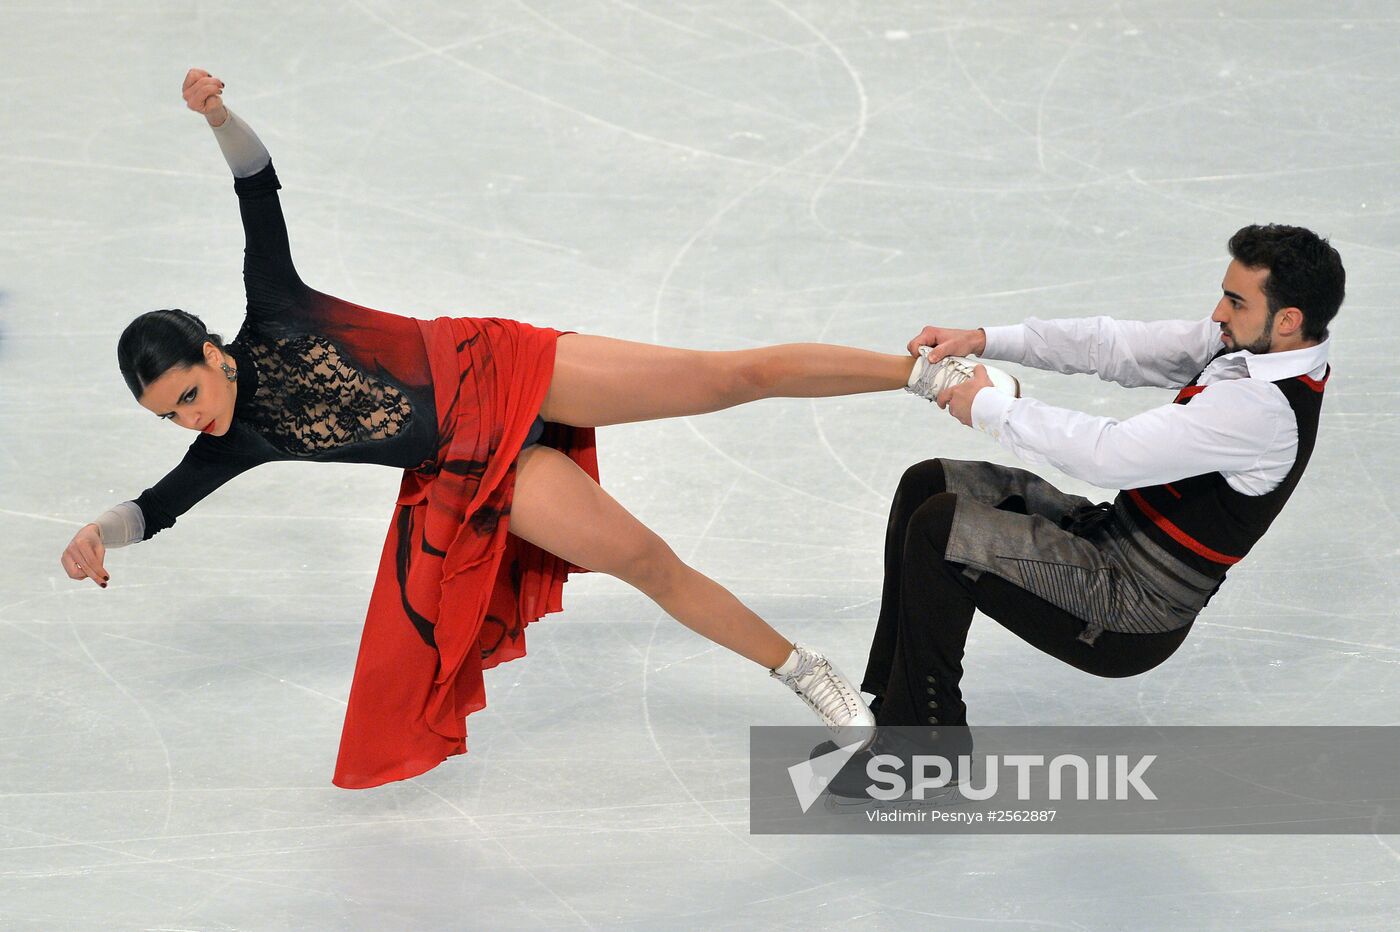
<point>202,95</point>
<point>947,342</point>
<point>957,400</point>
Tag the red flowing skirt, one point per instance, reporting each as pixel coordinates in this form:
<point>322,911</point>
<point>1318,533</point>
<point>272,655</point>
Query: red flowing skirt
<point>455,588</point>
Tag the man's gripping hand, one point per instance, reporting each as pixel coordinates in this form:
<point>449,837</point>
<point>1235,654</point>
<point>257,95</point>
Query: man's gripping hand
<point>946,342</point>
<point>957,400</point>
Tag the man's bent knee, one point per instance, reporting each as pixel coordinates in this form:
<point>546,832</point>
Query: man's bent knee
<point>924,479</point>
<point>933,519</point>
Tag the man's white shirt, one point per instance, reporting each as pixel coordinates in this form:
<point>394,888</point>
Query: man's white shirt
<point>1240,425</point>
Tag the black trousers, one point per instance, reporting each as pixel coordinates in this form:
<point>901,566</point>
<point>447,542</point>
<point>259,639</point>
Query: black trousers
<point>916,659</point>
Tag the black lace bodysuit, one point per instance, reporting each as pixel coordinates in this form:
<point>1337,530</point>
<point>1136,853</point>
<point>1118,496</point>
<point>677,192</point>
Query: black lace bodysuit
<point>318,378</point>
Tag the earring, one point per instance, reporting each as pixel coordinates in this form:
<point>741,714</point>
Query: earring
<point>230,373</point>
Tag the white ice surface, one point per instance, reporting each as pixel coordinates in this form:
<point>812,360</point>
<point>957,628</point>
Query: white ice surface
<point>710,175</point>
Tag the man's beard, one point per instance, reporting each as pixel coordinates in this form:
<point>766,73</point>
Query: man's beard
<point>1262,344</point>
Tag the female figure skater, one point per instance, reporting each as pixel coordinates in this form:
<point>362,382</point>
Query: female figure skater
<point>492,422</point>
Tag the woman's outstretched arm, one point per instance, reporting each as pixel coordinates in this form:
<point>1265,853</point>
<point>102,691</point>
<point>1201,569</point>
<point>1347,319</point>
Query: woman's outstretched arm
<point>269,277</point>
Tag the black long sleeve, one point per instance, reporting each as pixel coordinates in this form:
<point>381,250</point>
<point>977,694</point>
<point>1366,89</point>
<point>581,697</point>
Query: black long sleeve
<point>200,472</point>
<point>269,277</point>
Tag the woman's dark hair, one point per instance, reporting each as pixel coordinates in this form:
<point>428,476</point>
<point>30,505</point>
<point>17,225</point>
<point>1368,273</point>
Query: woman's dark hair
<point>158,341</point>
<point>1304,272</point>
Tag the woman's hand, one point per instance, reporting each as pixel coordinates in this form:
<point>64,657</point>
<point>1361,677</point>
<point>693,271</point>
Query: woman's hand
<point>83,557</point>
<point>202,95</point>
<point>947,342</point>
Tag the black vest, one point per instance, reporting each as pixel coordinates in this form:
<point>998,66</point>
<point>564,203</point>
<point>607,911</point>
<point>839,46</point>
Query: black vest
<point>1204,522</point>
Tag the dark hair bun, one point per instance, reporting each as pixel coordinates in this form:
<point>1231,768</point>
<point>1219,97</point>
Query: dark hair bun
<point>158,341</point>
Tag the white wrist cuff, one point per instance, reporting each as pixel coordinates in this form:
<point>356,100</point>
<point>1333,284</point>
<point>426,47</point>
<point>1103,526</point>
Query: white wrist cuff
<point>1005,343</point>
<point>990,409</point>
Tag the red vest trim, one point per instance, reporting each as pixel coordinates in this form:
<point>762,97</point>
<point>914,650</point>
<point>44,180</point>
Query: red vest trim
<point>1314,384</point>
<point>1177,534</point>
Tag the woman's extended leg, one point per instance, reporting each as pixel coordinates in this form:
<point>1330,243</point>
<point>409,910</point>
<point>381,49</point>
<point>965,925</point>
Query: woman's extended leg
<point>599,380</point>
<point>559,508</point>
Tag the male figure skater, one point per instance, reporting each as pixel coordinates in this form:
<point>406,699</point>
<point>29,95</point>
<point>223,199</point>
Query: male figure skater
<point>1113,588</point>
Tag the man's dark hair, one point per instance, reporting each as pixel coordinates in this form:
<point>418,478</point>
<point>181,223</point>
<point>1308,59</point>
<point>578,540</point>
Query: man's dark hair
<point>157,341</point>
<point>1304,272</point>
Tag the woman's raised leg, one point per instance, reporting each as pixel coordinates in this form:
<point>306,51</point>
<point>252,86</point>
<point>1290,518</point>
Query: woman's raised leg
<point>599,380</point>
<point>559,508</point>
